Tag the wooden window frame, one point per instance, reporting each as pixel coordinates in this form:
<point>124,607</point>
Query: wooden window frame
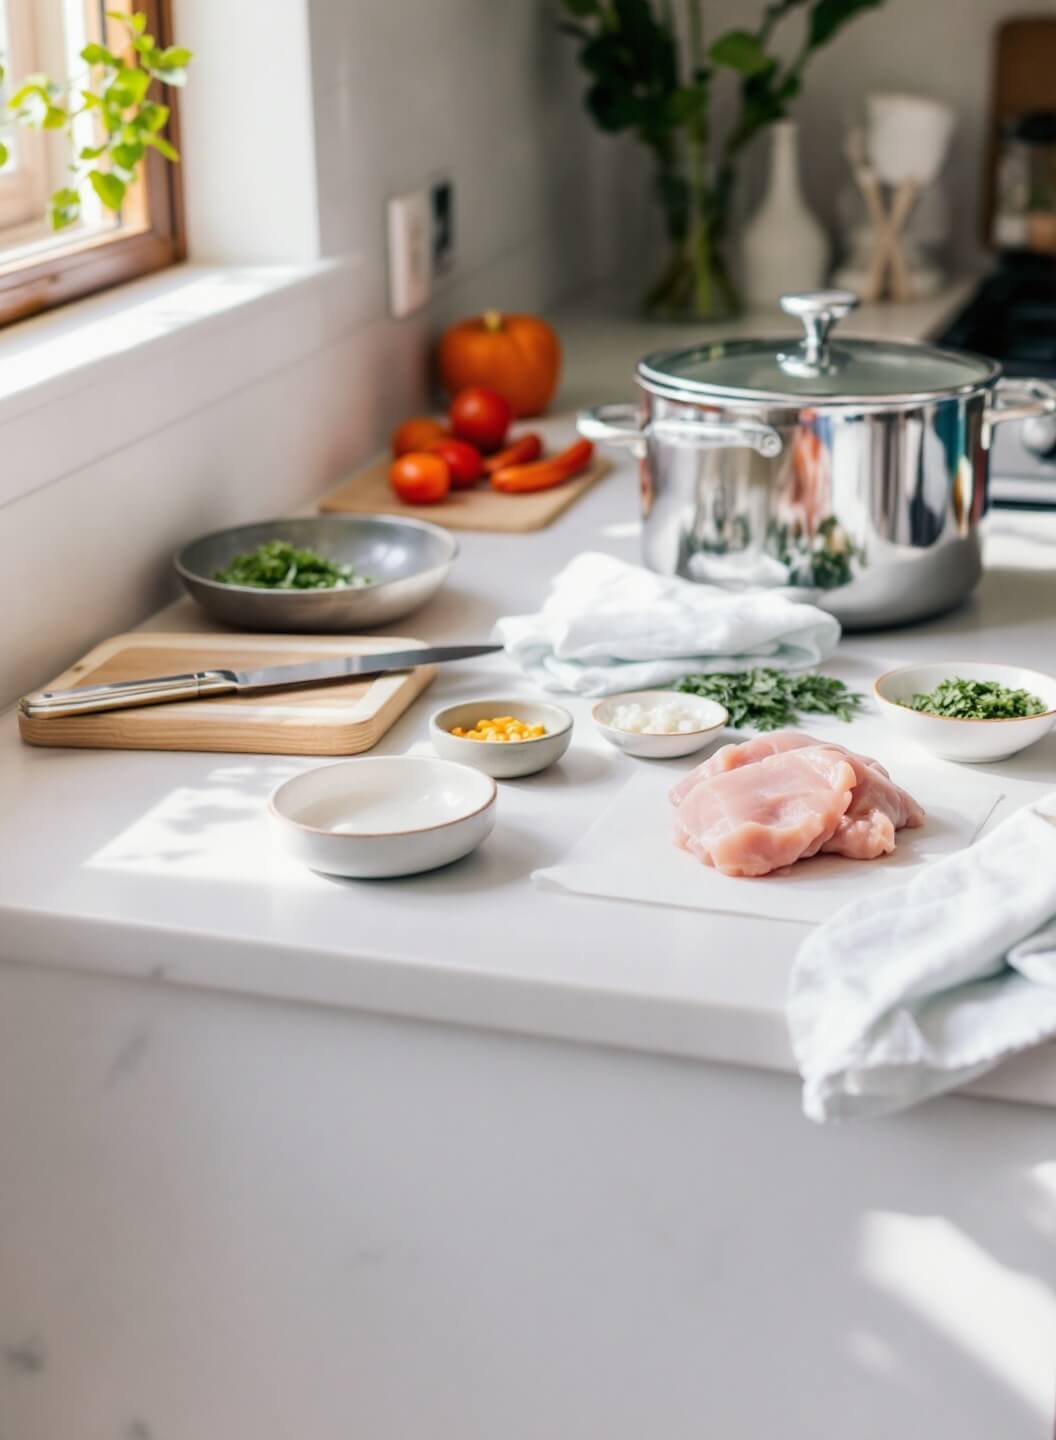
<point>97,262</point>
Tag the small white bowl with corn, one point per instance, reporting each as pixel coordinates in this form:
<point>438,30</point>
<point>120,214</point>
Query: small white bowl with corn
<point>504,738</point>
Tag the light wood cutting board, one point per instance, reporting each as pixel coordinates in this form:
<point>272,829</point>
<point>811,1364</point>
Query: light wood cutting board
<point>482,508</point>
<point>339,719</point>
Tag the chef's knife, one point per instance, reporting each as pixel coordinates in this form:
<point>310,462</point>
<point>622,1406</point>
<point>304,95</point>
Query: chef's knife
<point>161,689</point>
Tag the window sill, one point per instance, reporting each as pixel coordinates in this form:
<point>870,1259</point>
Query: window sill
<point>127,363</point>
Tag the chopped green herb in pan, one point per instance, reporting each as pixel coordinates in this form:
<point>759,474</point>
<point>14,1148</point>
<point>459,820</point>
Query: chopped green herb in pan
<point>278,565</point>
<point>976,700</point>
<point>764,699</point>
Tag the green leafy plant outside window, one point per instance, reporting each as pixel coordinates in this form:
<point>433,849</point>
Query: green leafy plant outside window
<point>114,91</point>
<point>652,72</point>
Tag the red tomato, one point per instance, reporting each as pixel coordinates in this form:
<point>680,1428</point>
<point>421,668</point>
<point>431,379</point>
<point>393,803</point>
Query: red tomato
<point>480,416</point>
<point>463,460</point>
<point>417,434</point>
<point>420,479</point>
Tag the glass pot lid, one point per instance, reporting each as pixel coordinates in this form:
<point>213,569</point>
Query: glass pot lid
<point>815,368</point>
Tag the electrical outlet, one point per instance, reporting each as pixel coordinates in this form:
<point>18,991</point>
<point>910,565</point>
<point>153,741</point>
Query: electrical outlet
<point>442,201</point>
<point>410,252</point>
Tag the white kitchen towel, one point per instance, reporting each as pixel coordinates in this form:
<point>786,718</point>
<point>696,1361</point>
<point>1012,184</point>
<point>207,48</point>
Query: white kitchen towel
<point>920,988</point>
<point>607,626</point>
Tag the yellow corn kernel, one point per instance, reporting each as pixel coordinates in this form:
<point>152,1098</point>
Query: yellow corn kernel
<point>501,729</point>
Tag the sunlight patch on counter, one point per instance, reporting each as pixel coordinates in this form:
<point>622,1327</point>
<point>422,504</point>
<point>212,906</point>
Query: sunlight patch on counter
<point>1002,1319</point>
<point>218,830</point>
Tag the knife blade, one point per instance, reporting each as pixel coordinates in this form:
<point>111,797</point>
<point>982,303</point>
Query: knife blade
<point>351,667</point>
<point>199,684</point>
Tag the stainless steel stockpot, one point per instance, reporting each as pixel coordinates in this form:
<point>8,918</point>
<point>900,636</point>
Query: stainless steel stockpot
<point>854,472</point>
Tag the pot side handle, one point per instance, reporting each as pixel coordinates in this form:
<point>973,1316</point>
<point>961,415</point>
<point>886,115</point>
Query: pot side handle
<point>622,425</point>
<point>611,425</point>
<point>1043,402</point>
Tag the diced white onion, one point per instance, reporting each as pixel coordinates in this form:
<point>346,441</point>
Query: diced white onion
<point>663,719</point>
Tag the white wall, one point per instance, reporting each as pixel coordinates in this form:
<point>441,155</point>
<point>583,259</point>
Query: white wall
<point>483,91</point>
<point>246,131</point>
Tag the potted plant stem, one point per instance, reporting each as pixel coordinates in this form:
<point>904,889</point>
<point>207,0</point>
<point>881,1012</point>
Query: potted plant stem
<point>653,72</point>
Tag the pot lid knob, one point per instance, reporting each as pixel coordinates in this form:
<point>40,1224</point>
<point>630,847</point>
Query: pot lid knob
<point>819,311</point>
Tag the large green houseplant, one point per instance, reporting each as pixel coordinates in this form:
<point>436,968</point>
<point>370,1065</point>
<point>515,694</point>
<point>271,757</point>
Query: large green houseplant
<point>653,72</point>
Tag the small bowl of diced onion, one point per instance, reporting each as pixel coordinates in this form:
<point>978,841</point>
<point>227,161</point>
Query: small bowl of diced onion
<point>659,724</point>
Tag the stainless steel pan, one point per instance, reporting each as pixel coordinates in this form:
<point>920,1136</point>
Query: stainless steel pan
<point>852,471</point>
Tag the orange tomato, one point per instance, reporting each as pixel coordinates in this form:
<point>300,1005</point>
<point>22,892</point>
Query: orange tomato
<point>519,356</point>
<point>480,416</point>
<point>420,479</point>
<point>418,434</point>
<point>463,460</point>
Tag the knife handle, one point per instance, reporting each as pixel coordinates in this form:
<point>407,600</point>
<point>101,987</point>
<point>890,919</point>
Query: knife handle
<point>124,694</point>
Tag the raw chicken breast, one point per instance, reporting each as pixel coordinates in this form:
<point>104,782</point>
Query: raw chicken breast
<point>863,830</point>
<point>878,808</point>
<point>731,757</point>
<point>760,817</point>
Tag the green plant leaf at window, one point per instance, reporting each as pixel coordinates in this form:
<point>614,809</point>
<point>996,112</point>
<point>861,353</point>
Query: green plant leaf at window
<point>136,23</point>
<point>64,208</point>
<point>108,187</point>
<point>128,155</point>
<point>153,117</point>
<point>127,88</point>
<point>99,55</point>
<point>129,121</point>
<point>162,146</point>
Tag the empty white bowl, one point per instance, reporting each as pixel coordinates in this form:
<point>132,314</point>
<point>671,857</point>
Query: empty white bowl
<point>970,741</point>
<point>510,759</point>
<point>383,815</point>
<point>709,714</point>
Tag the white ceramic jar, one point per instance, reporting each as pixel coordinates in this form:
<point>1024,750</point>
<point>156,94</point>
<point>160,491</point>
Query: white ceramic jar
<point>783,247</point>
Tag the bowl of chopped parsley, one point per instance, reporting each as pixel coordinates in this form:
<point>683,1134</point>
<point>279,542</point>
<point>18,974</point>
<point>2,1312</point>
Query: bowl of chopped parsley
<point>317,574</point>
<point>967,711</point>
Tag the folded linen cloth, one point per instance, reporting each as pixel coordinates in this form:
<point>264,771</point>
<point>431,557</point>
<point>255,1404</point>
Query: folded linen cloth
<point>607,626</point>
<point>921,987</point>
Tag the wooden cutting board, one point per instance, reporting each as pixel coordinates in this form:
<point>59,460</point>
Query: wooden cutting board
<point>369,493</point>
<point>339,719</point>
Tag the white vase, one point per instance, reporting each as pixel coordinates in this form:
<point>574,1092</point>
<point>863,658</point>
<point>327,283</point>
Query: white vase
<point>783,248</point>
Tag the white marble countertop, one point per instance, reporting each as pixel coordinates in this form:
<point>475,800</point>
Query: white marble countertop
<point>162,865</point>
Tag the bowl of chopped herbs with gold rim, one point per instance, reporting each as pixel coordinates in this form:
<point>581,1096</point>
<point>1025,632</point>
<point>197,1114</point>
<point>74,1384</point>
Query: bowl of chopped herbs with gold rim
<point>963,710</point>
<point>317,573</point>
